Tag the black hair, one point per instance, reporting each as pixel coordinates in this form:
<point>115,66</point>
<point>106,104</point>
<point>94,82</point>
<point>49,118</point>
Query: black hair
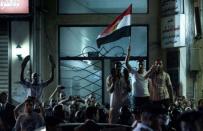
<point>118,63</point>
<point>140,59</point>
<point>29,100</point>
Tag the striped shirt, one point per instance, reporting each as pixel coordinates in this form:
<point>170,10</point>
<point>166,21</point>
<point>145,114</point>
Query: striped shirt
<point>159,86</point>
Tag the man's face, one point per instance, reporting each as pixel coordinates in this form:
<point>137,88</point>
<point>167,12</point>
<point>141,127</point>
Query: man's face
<point>28,107</point>
<point>3,98</point>
<point>141,66</point>
<point>159,65</point>
<point>35,78</point>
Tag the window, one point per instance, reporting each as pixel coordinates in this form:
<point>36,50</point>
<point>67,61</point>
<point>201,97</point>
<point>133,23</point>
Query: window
<point>83,66</point>
<point>78,41</point>
<point>100,6</point>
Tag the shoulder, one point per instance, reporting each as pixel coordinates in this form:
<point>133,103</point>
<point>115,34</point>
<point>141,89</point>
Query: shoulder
<point>166,74</point>
<point>21,116</point>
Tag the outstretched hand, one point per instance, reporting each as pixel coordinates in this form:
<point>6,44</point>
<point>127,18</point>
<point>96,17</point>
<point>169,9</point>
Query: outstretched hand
<point>51,60</point>
<point>25,60</point>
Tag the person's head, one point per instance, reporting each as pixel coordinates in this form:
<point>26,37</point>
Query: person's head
<point>118,66</point>
<point>141,66</point>
<point>147,114</point>
<point>88,101</point>
<point>92,98</point>
<point>58,111</point>
<point>3,97</point>
<point>29,104</point>
<point>200,105</point>
<point>113,71</point>
<point>150,115</point>
<point>35,78</point>
<point>125,72</point>
<point>62,95</point>
<point>188,121</point>
<point>125,112</point>
<point>91,112</point>
<point>159,65</point>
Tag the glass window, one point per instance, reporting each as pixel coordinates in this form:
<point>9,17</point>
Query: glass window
<point>79,41</point>
<point>100,6</point>
<point>82,78</point>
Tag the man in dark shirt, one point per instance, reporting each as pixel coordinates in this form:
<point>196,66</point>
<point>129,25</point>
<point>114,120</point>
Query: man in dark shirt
<point>6,112</point>
<point>29,120</point>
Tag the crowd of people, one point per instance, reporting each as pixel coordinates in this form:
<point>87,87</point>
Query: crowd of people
<point>152,105</point>
<point>33,114</point>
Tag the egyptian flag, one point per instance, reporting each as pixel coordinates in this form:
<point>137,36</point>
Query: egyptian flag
<point>120,27</point>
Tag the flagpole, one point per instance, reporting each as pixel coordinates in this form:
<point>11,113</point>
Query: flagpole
<point>130,40</point>
<point>130,25</point>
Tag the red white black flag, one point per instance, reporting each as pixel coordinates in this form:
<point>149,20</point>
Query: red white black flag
<point>120,27</point>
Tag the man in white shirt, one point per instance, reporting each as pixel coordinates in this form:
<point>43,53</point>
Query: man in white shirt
<point>140,90</point>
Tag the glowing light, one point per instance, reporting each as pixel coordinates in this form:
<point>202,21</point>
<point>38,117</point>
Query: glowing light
<point>14,6</point>
<point>20,51</point>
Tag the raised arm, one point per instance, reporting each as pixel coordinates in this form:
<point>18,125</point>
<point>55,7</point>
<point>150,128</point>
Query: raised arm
<point>127,59</point>
<point>51,60</point>
<point>53,94</point>
<point>18,109</point>
<point>24,63</point>
<point>69,99</point>
<point>150,71</point>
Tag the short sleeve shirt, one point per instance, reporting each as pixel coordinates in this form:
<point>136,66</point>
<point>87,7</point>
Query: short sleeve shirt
<point>29,122</point>
<point>159,84</point>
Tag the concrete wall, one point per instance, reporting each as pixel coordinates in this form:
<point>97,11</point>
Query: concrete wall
<point>51,21</point>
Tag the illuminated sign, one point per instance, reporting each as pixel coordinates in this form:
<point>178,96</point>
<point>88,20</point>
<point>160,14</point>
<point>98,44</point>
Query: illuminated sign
<point>173,31</point>
<point>14,6</point>
<point>171,7</point>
